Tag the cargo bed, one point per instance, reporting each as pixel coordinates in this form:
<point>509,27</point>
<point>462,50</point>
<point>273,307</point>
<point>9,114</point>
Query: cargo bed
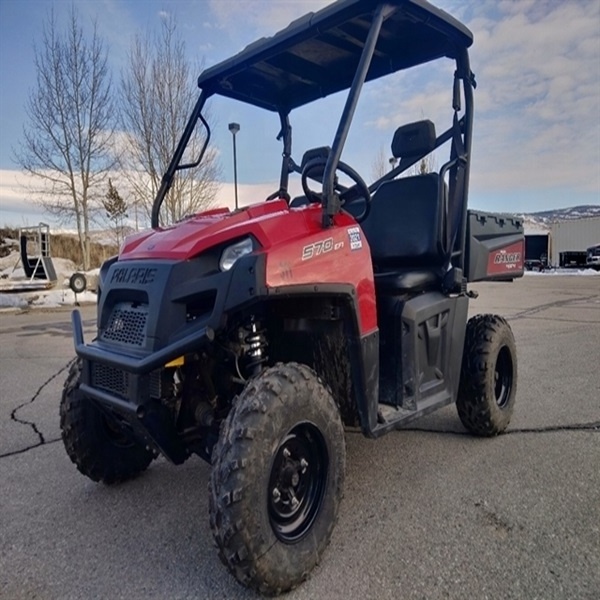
<point>495,248</point>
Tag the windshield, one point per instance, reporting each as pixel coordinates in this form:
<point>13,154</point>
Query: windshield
<point>265,168</point>
<point>337,49</point>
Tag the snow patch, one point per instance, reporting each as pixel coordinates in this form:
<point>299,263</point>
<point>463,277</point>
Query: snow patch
<point>12,301</point>
<point>55,298</point>
<point>551,272</point>
<point>8,267</point>
<point>46,299</point>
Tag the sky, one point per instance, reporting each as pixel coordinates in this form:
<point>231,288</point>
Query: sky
<point>537,105</point>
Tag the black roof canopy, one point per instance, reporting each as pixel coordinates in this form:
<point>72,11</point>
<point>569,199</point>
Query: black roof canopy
<point>317,54</point>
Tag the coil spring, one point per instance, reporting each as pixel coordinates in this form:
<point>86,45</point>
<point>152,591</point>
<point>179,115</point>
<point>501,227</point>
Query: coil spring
<point>256,344</point>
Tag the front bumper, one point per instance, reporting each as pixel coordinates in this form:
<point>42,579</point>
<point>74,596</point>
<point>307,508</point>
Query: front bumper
<point>145,322</point>
<point>127,386</point>
<point>131,364</point>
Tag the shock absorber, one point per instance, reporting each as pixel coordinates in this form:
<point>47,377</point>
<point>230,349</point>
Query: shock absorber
<point>255,345</point>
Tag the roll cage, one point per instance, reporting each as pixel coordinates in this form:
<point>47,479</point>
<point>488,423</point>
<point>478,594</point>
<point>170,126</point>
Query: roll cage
<point>340,47</point>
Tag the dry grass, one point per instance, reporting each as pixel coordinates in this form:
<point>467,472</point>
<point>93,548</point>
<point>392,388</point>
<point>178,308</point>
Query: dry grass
<point>62,246</point>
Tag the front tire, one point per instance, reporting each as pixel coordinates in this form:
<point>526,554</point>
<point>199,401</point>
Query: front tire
<point>98,446</point>
<point>488,379</point>
<point>277,478</point>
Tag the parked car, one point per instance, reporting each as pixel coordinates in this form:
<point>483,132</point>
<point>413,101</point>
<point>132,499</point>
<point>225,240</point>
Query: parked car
<point>593,257</point>
<point>534,265</point>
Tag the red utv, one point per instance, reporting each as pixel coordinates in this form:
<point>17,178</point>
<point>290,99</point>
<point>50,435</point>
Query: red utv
<point>252,337</point>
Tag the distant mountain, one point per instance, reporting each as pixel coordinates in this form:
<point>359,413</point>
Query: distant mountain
<point>566,214</point>
<point>541,221</point>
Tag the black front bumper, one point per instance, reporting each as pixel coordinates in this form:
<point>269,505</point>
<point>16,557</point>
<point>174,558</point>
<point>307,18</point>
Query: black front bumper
<point>128,395</point>
<point>150,313</point>
<point>131,364</point>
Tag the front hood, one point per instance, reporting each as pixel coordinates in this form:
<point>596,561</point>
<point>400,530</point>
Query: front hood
<point>189,238</point>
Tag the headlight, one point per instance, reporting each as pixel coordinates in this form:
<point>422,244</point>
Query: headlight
<point>233,252</point>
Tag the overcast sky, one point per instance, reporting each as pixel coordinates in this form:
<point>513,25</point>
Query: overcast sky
<point>537,118</point>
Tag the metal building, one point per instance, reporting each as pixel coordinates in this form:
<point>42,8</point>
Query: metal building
<point>573,236</point>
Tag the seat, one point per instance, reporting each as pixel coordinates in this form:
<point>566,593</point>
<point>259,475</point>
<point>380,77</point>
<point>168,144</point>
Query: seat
<point>405,230</point>
<point>406,225</point>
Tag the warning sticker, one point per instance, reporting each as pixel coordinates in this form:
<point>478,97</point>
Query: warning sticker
<point>354,238</point>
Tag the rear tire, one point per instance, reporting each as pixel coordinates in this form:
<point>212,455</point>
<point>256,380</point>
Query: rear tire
<point>277,478</point>
<point>100,448</point>
<point>488,379</point>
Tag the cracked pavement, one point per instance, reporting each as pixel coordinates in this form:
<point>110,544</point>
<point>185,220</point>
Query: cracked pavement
<point>429,511</point>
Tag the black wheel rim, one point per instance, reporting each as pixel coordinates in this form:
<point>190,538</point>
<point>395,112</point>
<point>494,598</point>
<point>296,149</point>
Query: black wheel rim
<point>297,482</point>
<point>503,377</point>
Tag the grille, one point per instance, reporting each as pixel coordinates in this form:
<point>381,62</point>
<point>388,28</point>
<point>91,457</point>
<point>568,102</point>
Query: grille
<point>110,379</point>
<point>116,381</point>
<point>156,384</point>
<point>127,325</point>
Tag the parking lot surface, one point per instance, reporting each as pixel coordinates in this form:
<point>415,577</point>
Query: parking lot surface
<point>429,512</point>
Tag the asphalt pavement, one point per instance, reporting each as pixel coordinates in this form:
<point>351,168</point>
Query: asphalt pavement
<point>429,512</point>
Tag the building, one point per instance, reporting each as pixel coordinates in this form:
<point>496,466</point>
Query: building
<point>573,236</point>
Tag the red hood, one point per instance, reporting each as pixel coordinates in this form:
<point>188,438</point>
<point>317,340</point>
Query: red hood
<point>269,222</point>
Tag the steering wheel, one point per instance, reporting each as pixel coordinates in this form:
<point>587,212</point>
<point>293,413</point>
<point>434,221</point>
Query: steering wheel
<point>359,190</point>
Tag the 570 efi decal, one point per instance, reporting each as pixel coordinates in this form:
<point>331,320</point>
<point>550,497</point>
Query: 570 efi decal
<point>320,247</point>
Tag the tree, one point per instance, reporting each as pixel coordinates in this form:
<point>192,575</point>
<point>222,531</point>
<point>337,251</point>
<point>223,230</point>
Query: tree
<point>67,144</point>
<point>426,165</point>
<point>379,165</point>
<point>116,209</point>
<point>156,100</point>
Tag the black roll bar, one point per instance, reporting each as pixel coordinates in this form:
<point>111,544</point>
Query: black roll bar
<point>286,136</point>
<point>468,79</point>
<point>331,203</point>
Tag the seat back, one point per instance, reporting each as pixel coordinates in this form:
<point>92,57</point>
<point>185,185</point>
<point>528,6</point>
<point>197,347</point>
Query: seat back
<point>406,224</point>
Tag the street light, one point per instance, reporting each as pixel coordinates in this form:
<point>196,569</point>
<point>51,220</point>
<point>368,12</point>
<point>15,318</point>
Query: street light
<point>234,128</point>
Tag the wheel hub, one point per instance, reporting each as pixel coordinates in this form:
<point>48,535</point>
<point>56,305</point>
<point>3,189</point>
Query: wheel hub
<point>503,376</point>
<point>297,482</point>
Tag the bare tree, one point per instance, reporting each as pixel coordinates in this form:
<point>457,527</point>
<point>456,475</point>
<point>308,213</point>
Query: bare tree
<point>67,144</point>
<point>157,97</point>
<point>379,165</point>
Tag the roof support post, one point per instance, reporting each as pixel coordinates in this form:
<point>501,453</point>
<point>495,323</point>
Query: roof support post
<point>331,204</point>
<point>468,80</point>
<point>285,135</point>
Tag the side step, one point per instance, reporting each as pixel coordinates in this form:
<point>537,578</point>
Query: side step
<point>390,417</point>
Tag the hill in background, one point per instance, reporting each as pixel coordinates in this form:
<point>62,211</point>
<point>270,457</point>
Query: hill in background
<point>566,214</point>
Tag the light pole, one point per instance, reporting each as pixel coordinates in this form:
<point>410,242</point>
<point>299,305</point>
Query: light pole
<point>234,128</point>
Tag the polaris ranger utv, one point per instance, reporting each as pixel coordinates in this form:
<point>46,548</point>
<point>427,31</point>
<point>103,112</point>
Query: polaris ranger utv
<point>252,337</point>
